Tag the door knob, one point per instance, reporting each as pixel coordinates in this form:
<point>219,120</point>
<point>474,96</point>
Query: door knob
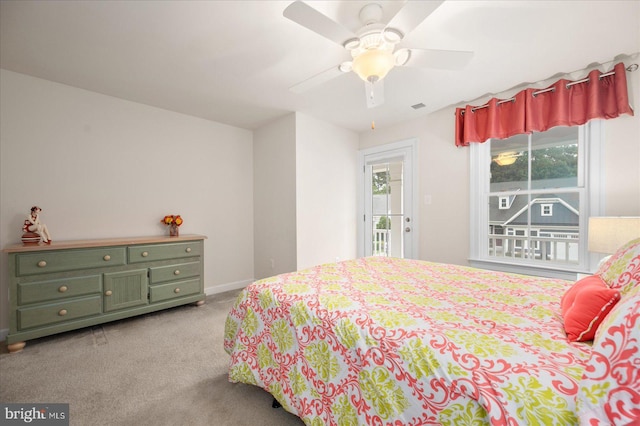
<point>407,229</point>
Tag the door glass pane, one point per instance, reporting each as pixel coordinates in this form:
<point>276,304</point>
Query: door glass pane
<point>380,189</point>
<point>395,188</point>
<point>381,236</point>
<point>387,208</point>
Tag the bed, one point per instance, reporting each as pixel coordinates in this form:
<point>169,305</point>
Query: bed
<point>388,341</point>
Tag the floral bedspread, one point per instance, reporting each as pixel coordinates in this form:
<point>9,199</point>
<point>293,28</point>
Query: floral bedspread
<point>390,341</point>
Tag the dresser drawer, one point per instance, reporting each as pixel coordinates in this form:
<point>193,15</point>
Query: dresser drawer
<point>58,312</point>
<point>174,290</point>
<point>58,289</point>
<point>174,272</point>
<point>57,261</point>
<point>164,251</point>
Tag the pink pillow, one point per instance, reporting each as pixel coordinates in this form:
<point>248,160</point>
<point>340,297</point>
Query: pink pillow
<point>585,305</point>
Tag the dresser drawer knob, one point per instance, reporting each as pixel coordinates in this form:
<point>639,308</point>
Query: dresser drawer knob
<point>145,253</point>
<point>177,290</point>
<point>42,264</point>
<point>62,312</point>
<point>63,288</point>
<point>108,293</point>
<point>188,250</point>
<point>176,272</point>
<point>107,257</point>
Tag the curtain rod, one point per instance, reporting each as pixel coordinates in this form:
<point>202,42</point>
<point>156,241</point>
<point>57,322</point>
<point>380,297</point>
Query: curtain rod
<point>630,68</point>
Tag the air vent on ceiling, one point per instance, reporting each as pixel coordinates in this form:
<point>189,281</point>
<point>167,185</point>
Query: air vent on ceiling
<point>418,106</point>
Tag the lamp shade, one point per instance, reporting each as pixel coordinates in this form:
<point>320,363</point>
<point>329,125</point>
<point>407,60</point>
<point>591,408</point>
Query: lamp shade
<point>373,64</point>
<point>608,233</point>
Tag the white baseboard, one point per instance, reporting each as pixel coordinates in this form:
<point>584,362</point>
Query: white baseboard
<point>208,291</point>
<point>227,287</point>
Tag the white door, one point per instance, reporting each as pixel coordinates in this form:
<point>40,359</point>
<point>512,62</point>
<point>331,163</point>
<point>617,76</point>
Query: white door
<point>387,210</point>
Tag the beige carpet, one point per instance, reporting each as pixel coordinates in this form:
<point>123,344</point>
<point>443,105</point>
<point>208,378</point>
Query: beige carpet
<point>165,368</point>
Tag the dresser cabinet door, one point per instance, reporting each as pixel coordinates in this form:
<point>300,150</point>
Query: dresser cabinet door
<point>125,289</point>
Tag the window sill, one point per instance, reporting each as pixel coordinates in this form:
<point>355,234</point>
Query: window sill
<point>534,270</point>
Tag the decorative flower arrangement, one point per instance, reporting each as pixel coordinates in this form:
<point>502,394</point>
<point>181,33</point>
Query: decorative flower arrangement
<point>173,221</point>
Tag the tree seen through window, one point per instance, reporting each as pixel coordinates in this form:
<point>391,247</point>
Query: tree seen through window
<point>547,163</point>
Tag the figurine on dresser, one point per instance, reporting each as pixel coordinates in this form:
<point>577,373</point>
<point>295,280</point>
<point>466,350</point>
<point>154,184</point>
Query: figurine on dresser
<point>33,230</point>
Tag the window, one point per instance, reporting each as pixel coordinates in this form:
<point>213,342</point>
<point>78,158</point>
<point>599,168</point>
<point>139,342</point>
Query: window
<point>504,203</point>
<point>533,194</point>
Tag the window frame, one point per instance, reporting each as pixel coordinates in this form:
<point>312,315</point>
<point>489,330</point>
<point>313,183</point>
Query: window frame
<point>590,186</point>
<point>546,209</point>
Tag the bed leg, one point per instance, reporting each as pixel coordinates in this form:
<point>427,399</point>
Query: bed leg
<point>275,404</point>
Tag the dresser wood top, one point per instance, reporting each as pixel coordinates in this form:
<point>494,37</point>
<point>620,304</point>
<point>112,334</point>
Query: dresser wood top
<point>105,242</point>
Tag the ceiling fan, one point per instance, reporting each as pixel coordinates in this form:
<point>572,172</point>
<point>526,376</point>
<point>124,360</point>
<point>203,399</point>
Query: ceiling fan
<point>376,47</point>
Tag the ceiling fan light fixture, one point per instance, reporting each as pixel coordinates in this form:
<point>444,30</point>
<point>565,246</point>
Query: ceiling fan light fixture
<point>370,14</point>
<point>351,44</point>
<point>373,65</point>
<point>346,66</point>
<point>402,56</point>
<point>392,36</point>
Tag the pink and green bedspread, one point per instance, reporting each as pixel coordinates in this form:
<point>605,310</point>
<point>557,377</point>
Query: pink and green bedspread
<point>388,341</point>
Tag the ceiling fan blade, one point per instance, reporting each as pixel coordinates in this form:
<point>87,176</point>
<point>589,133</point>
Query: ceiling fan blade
<point>316,80</point>
<point>441,59</point>
<point>374,93</point>
<point>310,18</point>
<point>412,14</point>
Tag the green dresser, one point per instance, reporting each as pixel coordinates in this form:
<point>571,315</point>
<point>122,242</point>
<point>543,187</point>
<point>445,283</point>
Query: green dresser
<point>73,284</point>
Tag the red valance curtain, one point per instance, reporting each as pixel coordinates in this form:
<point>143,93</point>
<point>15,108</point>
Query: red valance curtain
<point>565,103</point>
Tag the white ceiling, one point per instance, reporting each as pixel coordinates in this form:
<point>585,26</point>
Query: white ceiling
<point>233,61</point>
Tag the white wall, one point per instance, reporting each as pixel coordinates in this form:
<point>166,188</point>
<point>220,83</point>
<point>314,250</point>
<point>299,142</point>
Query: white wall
<point>103,167</point>
<point>444,175</point>
<point>274,210</point>
<point>326,192</point>
<point>622,157</point>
